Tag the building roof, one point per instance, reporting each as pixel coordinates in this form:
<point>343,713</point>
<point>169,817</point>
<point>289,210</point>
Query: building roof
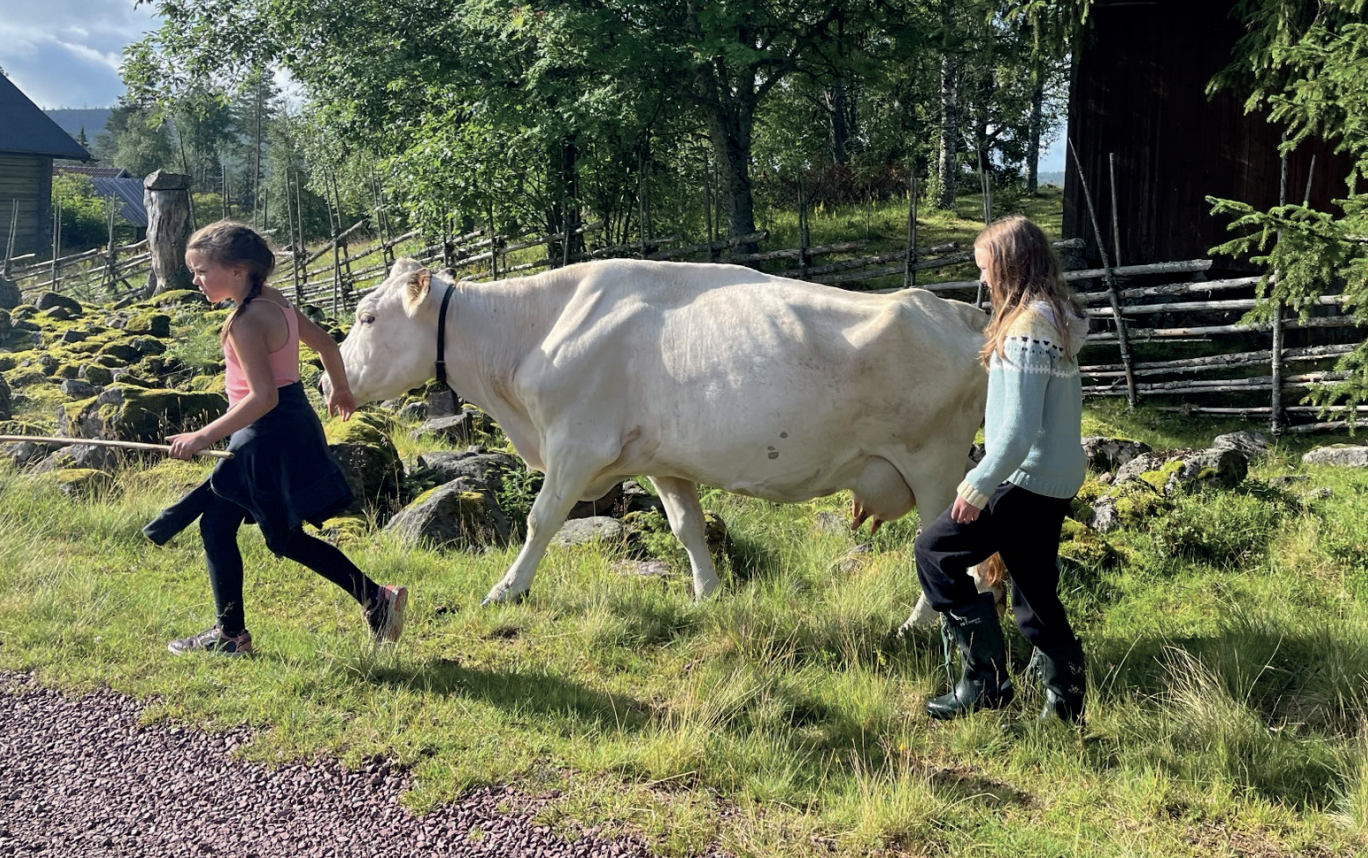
<point>26,130</point>
<point>128,192</point>
<point>84,170</point>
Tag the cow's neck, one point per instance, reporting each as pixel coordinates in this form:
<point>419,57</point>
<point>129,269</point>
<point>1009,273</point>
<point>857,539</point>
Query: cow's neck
<point>490,327</point>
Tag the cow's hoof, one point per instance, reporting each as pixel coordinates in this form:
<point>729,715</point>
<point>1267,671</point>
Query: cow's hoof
<point>516,599</point>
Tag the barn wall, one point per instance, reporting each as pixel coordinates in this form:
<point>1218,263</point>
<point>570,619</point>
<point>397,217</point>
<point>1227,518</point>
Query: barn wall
<point>27,179</point>
<point>1139,92</point>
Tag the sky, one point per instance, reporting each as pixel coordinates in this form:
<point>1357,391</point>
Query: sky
<point>66,53</point>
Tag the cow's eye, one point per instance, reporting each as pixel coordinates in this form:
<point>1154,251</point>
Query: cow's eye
<point>366,318</point>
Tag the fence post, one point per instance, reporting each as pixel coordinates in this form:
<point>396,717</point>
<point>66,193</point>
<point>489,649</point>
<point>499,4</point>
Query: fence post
<point>909,275</point>
<point>167,198</point>
<point>802,230</point>
<point>1114,294</point>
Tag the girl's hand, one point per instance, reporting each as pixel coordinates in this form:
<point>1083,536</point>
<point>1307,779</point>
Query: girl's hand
<point>187,444</point>
<point>341,402</point>
<point>963,512</point>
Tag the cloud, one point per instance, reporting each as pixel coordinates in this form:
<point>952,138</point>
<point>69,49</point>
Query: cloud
<point>66,53</point>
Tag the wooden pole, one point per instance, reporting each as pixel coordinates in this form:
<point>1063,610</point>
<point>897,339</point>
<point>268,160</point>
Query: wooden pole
<point>9,243</point>
<point>802,230</point>
<point>1116,221</point>
<point>101,442</point>
<point>910,257</point>
<point>1275,420</point>
<point>1110,280</point>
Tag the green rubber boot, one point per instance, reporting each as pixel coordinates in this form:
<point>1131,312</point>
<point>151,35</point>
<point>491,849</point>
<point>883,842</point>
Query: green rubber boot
<point>1065,675</point>
<point>983,682</point>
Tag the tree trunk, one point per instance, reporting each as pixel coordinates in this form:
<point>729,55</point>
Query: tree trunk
<point>838,128</point>
<point>729,126</point>
<point>563,215</point>
<point>167,197</point>
<point>1033,143</point>
<point>947,167</point>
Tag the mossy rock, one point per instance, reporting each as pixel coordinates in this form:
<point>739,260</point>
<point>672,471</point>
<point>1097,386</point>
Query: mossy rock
<point>346,529</point>
<point>83,483</point>
<point>457,514</point>
<point>123,350</point>
<point>147,346</point>
<point>1083,545</point>
<point>49,301</point>
<point>23,312</point>
<point>127,412</point>
<point>110,361</point>
<point>178,298</point>
<point>217,383</point>
<point>6,401</point>
<point>150,323</point>
<point>1128,505</point>
<point>96,374</point>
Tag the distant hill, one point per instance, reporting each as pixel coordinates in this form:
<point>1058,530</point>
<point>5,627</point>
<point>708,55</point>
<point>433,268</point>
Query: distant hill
<point>1055,178</point>
<point>73,119</point>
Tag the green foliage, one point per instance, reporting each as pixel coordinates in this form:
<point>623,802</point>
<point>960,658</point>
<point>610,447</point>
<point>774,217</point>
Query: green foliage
<point>1307,64</point>
<point>85,215</point>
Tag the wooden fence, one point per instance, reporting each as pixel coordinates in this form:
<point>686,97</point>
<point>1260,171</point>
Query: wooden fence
<point>1144,309</point>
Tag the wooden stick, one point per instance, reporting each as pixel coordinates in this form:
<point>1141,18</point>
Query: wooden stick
<point>101,442</point>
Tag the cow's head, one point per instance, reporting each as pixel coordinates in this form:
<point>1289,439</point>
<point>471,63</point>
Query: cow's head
<point>392,346</point>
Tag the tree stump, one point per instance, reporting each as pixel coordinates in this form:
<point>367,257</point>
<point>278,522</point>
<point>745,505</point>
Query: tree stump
<point>167,197</point>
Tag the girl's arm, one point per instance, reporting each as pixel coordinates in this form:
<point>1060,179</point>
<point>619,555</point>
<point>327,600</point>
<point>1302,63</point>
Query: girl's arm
<point>248,336</point>
<point>340,401</point>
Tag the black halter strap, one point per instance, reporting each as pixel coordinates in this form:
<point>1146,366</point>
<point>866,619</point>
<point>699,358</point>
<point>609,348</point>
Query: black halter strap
<point>441,337</point>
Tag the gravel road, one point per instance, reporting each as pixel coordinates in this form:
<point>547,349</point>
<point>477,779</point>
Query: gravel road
<point>81,777</point>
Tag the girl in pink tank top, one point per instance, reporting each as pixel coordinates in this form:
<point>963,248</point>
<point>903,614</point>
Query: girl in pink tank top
<point>282,473</point>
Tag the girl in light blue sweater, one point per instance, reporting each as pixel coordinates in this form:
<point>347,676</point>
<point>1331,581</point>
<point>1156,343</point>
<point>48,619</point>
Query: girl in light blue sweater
<point>1014,501</point>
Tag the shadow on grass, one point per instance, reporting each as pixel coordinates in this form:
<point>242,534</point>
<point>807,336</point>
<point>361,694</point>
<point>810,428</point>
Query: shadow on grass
<point>525,692</point>
<point>1266,708</point>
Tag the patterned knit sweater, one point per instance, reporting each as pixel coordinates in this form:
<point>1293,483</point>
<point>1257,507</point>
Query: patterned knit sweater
<point>1035,405</point>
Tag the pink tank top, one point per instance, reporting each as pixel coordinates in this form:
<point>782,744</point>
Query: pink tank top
<point>284,361</point>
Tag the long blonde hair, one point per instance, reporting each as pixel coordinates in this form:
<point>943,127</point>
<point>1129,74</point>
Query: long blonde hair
<point>229,243</point>
<point>1022,269</point>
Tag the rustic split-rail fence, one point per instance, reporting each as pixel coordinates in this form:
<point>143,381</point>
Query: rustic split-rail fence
<point>1165,333</point>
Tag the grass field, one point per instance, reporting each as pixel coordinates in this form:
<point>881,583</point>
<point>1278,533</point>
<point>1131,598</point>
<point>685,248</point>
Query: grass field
<point>1227,639</point>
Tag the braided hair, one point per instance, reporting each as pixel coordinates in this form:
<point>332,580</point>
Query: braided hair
<point>229,243</point>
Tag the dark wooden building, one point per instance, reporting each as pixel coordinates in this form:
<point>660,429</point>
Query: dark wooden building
<point>29,141</point>
<point>1139,93</point>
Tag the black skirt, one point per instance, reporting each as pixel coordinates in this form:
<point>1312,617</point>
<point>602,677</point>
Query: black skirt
<point>282,473</point>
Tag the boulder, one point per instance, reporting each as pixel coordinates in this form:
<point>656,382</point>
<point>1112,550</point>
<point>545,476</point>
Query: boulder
<point>460,428</point>
<point>6,401</point>
<point>1127,505</point>
<point>1172,470</point>
<point>482,468</point>
<point>458,514</point>
<point>1108,454</point>
<point>124,412</point>
<point>84,483</point>
<point>1252,444</point>
<point>9,294</point>
<point>74,388</point>
<point>582,531</point>
<point>369,460</point>
<point>1338,455</point>
<point>49,301</point>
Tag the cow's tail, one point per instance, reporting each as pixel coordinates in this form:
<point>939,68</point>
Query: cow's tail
<point>992,572</point>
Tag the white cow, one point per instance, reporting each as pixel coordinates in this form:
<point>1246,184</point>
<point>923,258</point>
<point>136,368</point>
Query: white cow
<point>691,373</point>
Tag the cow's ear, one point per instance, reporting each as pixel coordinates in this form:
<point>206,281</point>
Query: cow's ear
<point>417,286</point>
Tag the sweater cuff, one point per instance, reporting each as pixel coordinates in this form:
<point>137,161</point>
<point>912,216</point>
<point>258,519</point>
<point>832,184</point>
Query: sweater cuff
<point>971,495</point>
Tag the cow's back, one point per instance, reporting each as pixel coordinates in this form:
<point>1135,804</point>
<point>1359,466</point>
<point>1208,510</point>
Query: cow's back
<point>735,378</point>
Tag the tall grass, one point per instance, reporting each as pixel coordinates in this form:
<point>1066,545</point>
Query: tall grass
<point>1229,668</point>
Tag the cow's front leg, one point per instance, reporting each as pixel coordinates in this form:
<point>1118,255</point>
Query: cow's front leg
<point>686,521</point>
<point>564,485</point>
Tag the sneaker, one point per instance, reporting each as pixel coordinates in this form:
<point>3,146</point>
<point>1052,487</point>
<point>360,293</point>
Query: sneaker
<point>214,640</point>
<point>386,619</point>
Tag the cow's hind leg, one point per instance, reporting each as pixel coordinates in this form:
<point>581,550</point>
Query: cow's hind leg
<point>568,475</point>
<point>686,521</point>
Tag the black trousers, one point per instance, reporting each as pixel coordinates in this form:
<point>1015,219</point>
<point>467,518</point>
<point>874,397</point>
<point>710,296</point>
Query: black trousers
<point>219,525</point>
<point>1024,527</point>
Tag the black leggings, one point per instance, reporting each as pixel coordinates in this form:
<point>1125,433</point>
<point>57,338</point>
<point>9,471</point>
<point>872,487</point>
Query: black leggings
<point>219,526</point>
